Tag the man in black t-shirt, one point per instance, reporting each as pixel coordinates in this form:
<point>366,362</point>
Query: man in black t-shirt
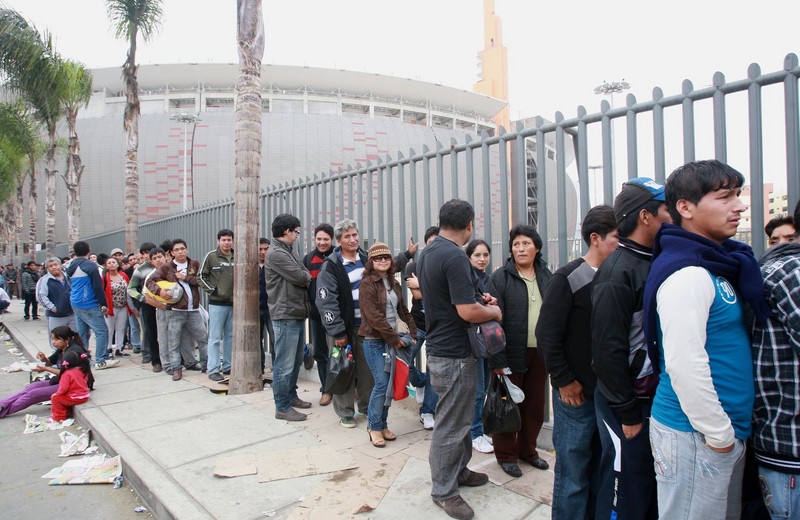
<point>449,297</point>
<point>426,395</point>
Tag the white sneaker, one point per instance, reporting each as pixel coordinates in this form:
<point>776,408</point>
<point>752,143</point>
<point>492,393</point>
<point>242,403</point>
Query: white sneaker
<point>488,439</point>
<point>427,420</point>
<point>420,394</point>
<point>108,363</point>
<point>481,445</point>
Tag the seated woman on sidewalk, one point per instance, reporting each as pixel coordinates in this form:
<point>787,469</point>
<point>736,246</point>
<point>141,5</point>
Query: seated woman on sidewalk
<point>382,310</point>
<point>63,339</point>
<point>73,388</point>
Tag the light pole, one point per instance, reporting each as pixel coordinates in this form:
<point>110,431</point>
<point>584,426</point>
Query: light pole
<point>609,89</point>
<point>186,119</point>
<point>594,181</point>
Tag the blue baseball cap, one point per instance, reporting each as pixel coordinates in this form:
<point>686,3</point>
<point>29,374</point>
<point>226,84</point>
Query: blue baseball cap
<point>634,194</point>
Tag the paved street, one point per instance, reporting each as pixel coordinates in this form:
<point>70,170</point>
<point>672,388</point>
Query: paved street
<point>173,437</point>
<point>25,458</point>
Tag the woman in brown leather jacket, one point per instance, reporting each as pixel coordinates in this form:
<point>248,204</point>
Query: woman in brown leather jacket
<point>382,310</point>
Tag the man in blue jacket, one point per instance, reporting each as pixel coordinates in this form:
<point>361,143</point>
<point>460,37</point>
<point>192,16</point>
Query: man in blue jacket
<point>696,337</point>
<point>88,300</point>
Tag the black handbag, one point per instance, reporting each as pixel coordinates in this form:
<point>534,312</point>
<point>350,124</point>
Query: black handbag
<point>341,367</point>
<point>486,339</point>
<point>500,413</point>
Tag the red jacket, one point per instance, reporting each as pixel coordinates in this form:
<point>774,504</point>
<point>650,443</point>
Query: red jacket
<point>107,287</point>
<point>73,384</point>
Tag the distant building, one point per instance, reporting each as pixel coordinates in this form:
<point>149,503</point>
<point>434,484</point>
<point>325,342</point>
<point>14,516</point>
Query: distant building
<point>315,121</point>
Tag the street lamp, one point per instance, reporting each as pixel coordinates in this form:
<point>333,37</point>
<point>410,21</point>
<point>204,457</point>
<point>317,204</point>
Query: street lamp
<point>186,119</point>
<point>609,89</point>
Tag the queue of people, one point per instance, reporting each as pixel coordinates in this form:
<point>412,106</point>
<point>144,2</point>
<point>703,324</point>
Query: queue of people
<point>651,341</point>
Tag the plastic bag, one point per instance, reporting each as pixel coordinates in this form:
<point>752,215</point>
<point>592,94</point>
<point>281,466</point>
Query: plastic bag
<point>341,367</point>
<point>500,414</point>
<point>516,393</point>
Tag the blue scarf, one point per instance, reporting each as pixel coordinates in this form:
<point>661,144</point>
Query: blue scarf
<point>676,248</point>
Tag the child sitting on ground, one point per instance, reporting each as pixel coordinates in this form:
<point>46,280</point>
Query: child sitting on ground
<point>73,387</point>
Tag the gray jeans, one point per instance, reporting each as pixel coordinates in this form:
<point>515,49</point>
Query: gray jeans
<point>451,443</point>
<point>179,324</point>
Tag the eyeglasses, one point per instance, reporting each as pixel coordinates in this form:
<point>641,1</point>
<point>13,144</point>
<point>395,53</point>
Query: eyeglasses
<point>382,258</point>
<point>296,231</point>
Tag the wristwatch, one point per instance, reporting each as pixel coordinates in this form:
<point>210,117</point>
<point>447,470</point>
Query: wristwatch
<point>104,308</point>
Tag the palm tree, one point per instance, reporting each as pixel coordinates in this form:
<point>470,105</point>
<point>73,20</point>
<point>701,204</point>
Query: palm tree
<point>31,69</point>
<point>245,359</point>
<point>77,94</point>
<point>130,17</point>
<point>20,148</point>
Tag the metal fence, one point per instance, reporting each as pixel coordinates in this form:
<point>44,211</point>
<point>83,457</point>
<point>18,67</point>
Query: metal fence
<point>510,178</point>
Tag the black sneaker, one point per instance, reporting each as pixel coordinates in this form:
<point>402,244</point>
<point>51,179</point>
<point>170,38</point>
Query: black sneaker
<point>216,376</point>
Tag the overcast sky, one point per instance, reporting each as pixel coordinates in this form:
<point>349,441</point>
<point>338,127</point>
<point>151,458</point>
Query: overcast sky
<point>558,50</point>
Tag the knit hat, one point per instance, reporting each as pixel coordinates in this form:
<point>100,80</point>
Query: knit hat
<point>635,194</point>
<point>378,249</point>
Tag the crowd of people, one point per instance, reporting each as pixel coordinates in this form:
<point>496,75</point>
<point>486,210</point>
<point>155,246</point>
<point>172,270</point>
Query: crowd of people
<point>651,341</point>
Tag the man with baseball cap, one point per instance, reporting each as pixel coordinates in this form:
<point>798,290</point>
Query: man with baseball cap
<point>625,380</point>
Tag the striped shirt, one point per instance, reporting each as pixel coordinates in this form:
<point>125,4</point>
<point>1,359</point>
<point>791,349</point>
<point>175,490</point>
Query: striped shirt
<point>355,272</point>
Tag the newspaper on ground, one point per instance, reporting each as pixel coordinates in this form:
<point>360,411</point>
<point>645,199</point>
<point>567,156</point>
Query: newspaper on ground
<point>76,444</point>
<point>20,366</point>
<point>35,424</point>
<point>95,469</point>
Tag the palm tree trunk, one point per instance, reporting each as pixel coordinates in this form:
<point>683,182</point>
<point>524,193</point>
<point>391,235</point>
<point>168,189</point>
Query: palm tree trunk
<point>50,173</point>
<point>246,358</point>
<point>131,124</point>
<point>18,221</point>
<point>72,179</point>
<point>32,203</point>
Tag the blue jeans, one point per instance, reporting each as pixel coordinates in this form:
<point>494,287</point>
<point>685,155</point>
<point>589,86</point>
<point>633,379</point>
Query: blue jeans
<point>377,412</point>
<point>136,340</point>
<point>577,448</point>
<point>693,480</point>
<point>94,321</point>
<point>220,329</point>
<point>420,379</point>
<point>482,378</point>
<point>320,343</point>
<point>451,446</point>
<point>781,493</point>
<point>288,358</point>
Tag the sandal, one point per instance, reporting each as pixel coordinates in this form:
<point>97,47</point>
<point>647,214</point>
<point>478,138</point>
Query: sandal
<point>378,443</point>
<point>388,436</point>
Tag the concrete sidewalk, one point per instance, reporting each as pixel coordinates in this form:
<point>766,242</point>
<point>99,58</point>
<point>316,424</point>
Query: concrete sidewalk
<point>171,434</point>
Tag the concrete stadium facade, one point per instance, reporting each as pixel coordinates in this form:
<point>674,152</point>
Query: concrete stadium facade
<point>315,121</point>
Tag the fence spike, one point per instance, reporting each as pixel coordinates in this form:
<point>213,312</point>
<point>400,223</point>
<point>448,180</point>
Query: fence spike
<point>658,94</point>
<point>753,71</point>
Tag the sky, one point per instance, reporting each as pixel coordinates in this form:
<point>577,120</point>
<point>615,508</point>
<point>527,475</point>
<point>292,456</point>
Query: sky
<point>558,51</point>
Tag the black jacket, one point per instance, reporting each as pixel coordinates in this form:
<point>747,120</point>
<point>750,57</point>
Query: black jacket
<point>314,268</point>
<point>563,332</point>
<point>334,298</point>
<point>619,351</point>
<point>512,297</point>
